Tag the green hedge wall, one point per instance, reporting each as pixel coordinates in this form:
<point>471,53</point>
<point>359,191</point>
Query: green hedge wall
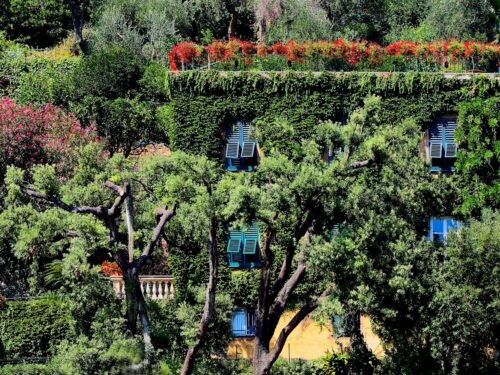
<point>30,328</point>
<point>202,103</point>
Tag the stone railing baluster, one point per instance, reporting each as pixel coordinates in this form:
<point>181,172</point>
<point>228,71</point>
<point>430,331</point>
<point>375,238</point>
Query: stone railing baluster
<point>156,287</point>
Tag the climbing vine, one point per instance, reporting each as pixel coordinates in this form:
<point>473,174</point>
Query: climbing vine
<point>203,103</point>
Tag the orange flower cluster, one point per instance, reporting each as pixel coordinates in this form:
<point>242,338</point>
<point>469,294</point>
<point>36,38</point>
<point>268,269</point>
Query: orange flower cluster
<point>351,52</point>
<point>111,269</point>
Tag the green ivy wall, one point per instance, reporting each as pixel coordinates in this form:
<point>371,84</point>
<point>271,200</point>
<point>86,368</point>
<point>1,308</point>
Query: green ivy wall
<point>202,103</point>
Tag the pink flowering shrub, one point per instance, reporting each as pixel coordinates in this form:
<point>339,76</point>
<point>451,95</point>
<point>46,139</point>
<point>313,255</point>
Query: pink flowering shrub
<point>33,135</point>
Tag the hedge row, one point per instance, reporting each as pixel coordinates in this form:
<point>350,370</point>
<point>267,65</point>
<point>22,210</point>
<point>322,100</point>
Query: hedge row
<point>31,328</point>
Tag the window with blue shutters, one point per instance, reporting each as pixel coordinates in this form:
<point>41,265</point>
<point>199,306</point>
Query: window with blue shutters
<point>243,323</point>
<point>241,148</point>
<point>345,325</point>
<point>442,144</point>
<point>440,228</point>
<point>339,328</point>
<point>334,152</point>
<point>243,247</point>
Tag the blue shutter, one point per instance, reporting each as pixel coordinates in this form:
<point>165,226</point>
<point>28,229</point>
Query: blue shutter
<point>239,322</point>
<point>251,323</point>
<point>234,241</point>
<point>450,146</point>
<point>232,150</point>
<point>452,225</point>
<point>339,328</point>
<point>441,227</point>
<point>436,140</point>
<point>329,157</point>
<point>437,229</point>
<point>251,239</point>
<point>247,149</point>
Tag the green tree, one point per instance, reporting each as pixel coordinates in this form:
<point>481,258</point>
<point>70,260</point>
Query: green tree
<point>357,19</point>
<point>36,23</point>
<point>300,20</point>
<point>300,199</point>
<point>147,29</point>
<point>467,303</point>
<point>460,19</point>
<point>81,221</point>
<point>479,156</point>
<point>59,202</point>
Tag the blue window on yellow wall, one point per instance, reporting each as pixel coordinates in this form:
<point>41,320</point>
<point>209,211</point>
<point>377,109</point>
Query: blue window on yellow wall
<point>243,323</point>
<point>241,148</point>
<point>442,144</point>
<point>440,228</point>
<point>243,247</point>
<point>345,325</point>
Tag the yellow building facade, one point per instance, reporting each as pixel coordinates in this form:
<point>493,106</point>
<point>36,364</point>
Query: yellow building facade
<point>309,340</point>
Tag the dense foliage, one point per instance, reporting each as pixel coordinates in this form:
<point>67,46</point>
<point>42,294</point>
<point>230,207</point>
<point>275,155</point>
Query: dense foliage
<point>48,135</point>
<point>39,24</point>
<point>32,329</point>
<point>149,28</point>
<point>351,223</point>
<point>479,163</point>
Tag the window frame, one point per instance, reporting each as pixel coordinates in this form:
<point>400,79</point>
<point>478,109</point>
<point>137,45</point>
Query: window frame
<point>442,237</point>
<point>239,134</point>
<point>243,258</point>
<point>439,134</point>
<point>249,323</point>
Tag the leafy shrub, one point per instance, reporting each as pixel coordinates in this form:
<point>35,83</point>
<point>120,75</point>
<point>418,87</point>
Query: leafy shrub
<point>295,367</point>
<point>336,363</point>
<point>41,81</point>
<point>32,328</point>
<point>124,123</point>
<point>30,135</point>
<point>110,73</point>
<point>37,23</point>
<point>25,369</point>
<point>479,155</point>
<point>93,356</point>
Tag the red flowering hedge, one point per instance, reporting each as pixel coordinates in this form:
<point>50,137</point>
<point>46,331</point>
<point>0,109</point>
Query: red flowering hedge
<point>351,53</point>
<point>31,135</point>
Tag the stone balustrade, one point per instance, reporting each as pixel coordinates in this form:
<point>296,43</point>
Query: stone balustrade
<point>153,286</point>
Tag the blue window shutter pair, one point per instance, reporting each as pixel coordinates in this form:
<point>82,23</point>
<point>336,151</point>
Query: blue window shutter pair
<point>247,239</point>
<point>442,142</point>
<point>239,144</point>
<point>251,239</point>
<point>441,227</point>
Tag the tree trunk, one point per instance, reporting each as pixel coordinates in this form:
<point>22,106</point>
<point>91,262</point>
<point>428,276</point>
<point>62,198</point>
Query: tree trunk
<point>261,362</point>
<point>208,309</point>
<point>146,327</point>
<point>232,26</point>
<point>132,290</point>
<point>78,19</point>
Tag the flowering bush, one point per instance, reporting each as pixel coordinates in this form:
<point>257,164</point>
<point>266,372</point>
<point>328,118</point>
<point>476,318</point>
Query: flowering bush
<point>30,135</point>
<point>111,269</point>
<point>338,54</point>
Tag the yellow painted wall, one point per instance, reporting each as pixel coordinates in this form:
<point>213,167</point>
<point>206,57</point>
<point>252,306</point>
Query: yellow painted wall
<point>309,340</point>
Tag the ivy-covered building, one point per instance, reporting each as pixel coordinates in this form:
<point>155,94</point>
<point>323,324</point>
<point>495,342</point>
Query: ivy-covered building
<point>230,117</point>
